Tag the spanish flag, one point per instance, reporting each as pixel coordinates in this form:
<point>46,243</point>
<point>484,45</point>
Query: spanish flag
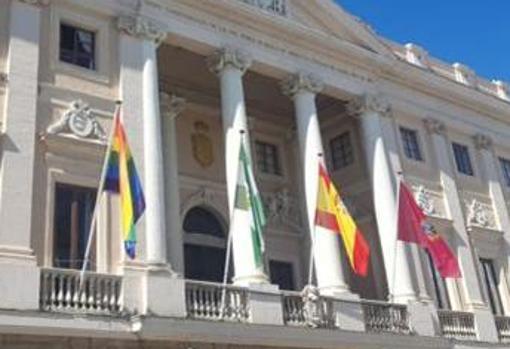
<point>332,215</point>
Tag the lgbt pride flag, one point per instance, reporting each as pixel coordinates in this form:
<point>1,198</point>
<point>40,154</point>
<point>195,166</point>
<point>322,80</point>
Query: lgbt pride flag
<point>121,177</point>
<point>332,214</point>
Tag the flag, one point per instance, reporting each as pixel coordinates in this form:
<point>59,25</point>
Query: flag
<point>122,177</point>
<point>414,228</point>
<point>249,202</point>
<point>332,214</point>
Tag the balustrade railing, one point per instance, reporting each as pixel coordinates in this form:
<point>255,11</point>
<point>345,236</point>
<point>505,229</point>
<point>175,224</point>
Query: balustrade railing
<point>60,291</point>
<point>211,301</point>
<point>293,309</point>
<point>503,326</point>
<point>300,310</point>
<point>457,324</point>
<point>385,317</point>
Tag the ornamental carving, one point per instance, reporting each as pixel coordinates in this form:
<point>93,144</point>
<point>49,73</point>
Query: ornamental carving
<point>301,82</point>
<point>502,89</point>
<point>313,310</point>
<point>278,7</point>
<point>171,105</point>
<point>202,145</point>
<point>281,207</point>
<point>482,142</point>
<point>141,27</point>
<point>228,57</point>
<point>477,214</point>
<point>417,55</point>
<point>424,200</point>
<point>464,74</point>
<point>434,126</point>
<point>79,121</point>
<point>369,103</point>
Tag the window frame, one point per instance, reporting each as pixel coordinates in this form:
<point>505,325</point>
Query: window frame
<point>280,173</point>
<point>272,261</point>
<point>456,146</point>
<point>490,281</point>
<point>505,171</point>
<point>74,52</point>
<point>342,138</point>
<point>441,291</point>
<point>411,145</point>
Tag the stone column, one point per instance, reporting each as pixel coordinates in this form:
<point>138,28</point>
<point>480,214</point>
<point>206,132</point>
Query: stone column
<point>230,64</point>
<point>171,107</point>
<point>473,296</point>
<point>302,89</point>
<point>378,137</point>
<point>19,284</point>
<point>149,287</point>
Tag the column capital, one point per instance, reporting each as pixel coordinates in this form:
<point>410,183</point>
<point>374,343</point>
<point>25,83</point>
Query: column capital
<point>39,3</point>
<point>141,27</point>
<point>434,126</point>
<point>228,57</point>
<point>301,82</point>
<point>171,105</point>
<point>369,103</point>
<point>482,141</point>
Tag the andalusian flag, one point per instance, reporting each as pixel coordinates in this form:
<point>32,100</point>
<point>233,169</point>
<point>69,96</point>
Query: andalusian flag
<point>248,206</point>
<point>121,177</point>
<point>332,215</point>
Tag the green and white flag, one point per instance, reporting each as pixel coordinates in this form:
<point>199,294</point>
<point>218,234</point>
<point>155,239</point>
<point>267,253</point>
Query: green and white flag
<point>248,203</point>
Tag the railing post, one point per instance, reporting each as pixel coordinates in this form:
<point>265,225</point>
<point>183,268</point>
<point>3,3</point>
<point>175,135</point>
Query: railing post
<point>348,315</point>
<point>265,305</point>
<point>423,318</point>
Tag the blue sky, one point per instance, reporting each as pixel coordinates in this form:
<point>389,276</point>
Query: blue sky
<point>475,33</point>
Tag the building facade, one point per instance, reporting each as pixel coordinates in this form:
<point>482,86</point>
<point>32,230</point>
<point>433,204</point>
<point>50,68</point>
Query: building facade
<point>301,82</point>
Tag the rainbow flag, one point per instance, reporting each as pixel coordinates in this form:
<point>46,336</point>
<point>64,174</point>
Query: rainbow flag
<point>332,215</point>
<point>121,177</point>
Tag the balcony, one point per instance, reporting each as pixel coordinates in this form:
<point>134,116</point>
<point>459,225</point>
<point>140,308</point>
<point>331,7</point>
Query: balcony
<point>457,324</point>
<point>503,327</point>
<point>385,317</point>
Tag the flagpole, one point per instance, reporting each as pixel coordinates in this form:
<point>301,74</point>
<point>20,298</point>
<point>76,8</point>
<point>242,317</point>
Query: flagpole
<point>395,249</point>
<point>99,194</point>
<point>312,240</point>
<point>229,246</point>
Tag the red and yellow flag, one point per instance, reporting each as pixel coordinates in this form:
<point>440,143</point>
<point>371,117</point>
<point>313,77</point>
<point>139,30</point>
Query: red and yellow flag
<point>332,214</point>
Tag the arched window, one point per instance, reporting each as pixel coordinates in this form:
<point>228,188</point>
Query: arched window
<point>204,245</point>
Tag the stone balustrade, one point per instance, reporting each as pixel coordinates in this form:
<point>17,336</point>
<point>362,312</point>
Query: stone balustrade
<point>457,324</point>
<point>503,327</point>
<point>212,301</point>
<point>385,317</point>
<point>61,291</point>
<point>300,311</point>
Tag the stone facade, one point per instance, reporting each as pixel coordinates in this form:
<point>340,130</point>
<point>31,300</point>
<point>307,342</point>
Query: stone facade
<point>195,83</point>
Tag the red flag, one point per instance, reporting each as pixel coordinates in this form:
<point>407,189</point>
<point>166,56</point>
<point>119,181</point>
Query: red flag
<point>414,228</point>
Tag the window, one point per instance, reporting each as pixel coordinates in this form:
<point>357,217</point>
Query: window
<point>410,142</point>
<point>77,46</point>
<point>440,289</point>
<point>282,274</point>
<point>505,168</point>
<point>199,220</point>
<point>491,285</point>
<point>342,154</point>
<point>73,214</point>
<point>267,158</point>
<point>462,159</point>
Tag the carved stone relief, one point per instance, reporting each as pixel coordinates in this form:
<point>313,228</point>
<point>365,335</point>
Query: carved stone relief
<point>479,214</point>
<point>282,208</point>
<point>424,200</point>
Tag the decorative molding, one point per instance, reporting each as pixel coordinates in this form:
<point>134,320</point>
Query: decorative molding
<point>464,74</point>
<point>417,55</point>
<point>502,89</point>
<point>477,214</point>
<point>171,105</point>
<point>434,126</point>
<point>424,200</point>
<point>79,121</point>
<point>278,7</point>
<point>482,142</point>
<point>228,57</point>
<point>39,3</point>
<point>369,103</point>
<point>282,208</point>
<point>301,82</point>
<point>141,27</point>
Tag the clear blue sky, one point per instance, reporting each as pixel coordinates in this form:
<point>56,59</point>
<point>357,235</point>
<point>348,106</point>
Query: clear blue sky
<point>472,32</point>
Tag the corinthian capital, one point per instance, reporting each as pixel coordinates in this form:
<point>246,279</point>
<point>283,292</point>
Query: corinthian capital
<point>434,126</point>
<point>369,103</point>
<point>228,57</point>
<point>171,105</point>
<point>301,82</point>
<point>141,27</point>
<point>482,142</point>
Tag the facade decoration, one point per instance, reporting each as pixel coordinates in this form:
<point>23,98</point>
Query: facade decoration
<point>417,55</point>
<point>502,89</point>
<point>202,145</point>
<point>171,105</point>
<point>369,103</point>
<point>226,56</point>
<point>301,81</point>
<point>313,310</point>
<point>282,208</point>
<point>79,121</point>
<point>482,142</point>
<point>424,200</point>
<point>434,126</point>
<point>141,27</point>
<point>464,74</point>
<point>278,7</point>
<point>477,214</point>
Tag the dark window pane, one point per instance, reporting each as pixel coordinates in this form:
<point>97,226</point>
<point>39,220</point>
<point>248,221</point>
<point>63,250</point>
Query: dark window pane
<point>505,169</point>
<point>201,221</point>
<point>282,274</point>
<point>462,159</point>
<point>410,143</point>
<point>440,289</point>
<point>204,263</point>
<point>491,286</point>
<point>267,158</point>
<point>77,46</point>
<point>342,154</point>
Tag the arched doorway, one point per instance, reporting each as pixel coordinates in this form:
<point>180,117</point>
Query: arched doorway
<point>204,245</point>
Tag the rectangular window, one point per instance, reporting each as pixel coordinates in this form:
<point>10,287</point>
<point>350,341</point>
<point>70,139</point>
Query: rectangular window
<point>342,154</point>
<point>505,168</point>
<point>462,159</point>
<point>268,160</point>
<point>73,213</point>
<point>491,286</point>
<point>77,46</point>
<point>282,274</point>
<point>410,144</point>
<point>440,289</point>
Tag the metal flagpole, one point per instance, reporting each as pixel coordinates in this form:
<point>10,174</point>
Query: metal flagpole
<point>395,249</point>
<point>99,194</point>
<point>312,238</point>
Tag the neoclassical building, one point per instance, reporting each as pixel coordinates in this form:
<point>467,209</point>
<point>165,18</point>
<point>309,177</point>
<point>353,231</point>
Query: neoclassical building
<point>306,82</point>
